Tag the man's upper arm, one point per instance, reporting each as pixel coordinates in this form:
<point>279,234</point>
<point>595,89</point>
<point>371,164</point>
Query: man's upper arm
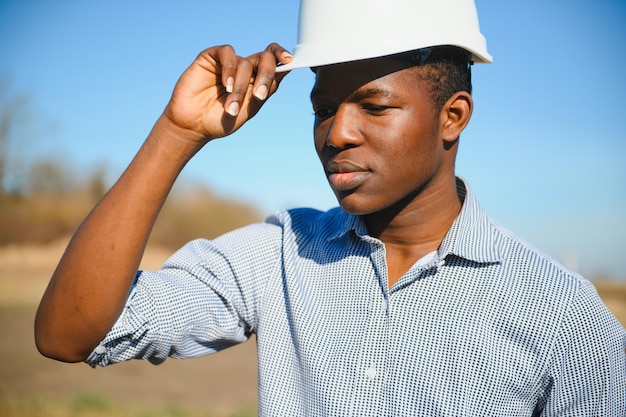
<point>588,368</point>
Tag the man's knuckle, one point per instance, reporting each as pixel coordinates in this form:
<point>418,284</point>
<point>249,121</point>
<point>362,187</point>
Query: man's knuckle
<point>239,92</point>
<point>246,65</point>
<point>265,75</point>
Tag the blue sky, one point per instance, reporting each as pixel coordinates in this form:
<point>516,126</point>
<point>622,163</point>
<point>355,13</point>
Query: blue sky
<point>545,151</point>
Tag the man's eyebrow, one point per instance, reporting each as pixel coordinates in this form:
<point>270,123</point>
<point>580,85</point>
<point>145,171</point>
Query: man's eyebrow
<point>360,94</point>
<point>364,93</point>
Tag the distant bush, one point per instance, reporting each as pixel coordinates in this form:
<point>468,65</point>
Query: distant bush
<point>53,206</point>
<point>193,211</point>
<point>40,218</point>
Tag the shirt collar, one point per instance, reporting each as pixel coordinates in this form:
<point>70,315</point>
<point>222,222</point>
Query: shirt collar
<point>347,223</point>
<point>472,235</point>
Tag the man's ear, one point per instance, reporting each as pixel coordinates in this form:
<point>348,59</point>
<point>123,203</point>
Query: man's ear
<point>455,115</point>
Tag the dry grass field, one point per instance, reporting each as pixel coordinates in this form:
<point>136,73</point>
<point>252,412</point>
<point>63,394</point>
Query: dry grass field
<point>32,386</point>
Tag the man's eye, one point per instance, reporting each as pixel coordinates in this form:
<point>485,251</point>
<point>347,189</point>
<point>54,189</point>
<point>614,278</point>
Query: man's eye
<point>373,108</point>
<point>323,112</point>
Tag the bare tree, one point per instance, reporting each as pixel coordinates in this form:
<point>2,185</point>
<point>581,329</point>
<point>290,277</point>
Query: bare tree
<point>5,118</point>
<point>14,115</point>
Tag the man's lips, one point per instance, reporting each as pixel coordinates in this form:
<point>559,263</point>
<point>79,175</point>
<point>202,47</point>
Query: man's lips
<point>345,175</point>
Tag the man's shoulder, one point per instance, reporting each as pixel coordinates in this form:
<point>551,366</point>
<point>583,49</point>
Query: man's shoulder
<point>525,262</point>
<point>310,220</point>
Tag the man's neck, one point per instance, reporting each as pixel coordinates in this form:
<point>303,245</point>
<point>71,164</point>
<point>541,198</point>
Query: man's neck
<point>414,228</point>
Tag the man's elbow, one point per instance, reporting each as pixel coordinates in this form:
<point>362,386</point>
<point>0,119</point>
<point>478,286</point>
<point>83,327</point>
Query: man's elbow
<point>58,347</point>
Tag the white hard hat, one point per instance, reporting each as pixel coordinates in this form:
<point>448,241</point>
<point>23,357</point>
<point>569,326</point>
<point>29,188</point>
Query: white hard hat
<point>334,31</point>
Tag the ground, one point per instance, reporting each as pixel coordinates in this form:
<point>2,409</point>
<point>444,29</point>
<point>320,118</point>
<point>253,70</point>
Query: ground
<point>218,385</point>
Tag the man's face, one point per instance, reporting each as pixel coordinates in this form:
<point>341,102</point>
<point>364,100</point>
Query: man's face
<point>377,134</point>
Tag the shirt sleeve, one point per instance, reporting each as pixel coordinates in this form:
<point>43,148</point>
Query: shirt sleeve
<point>588,371</point>
<point>204,299</point>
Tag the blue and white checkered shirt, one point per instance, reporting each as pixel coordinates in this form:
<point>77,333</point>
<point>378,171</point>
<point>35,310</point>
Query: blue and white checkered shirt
<point>486,326</point>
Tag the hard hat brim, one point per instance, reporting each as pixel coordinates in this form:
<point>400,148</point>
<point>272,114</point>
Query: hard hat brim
<point>312,60</point>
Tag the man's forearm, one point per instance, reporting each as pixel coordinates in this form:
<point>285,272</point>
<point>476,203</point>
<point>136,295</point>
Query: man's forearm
<point>90,285</point>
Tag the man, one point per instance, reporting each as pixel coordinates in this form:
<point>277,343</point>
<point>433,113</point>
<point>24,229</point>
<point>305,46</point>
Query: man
<point>407,300</point>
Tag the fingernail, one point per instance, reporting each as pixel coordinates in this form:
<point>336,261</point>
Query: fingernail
<point>261,92</point>
<point>287,55</point>
<point>233,108</point>
<point>229,84</point>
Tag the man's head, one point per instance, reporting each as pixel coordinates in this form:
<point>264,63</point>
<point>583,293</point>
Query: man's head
<point>386,129</point>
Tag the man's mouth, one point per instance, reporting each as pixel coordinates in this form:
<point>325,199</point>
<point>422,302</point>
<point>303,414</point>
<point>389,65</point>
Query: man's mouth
<point>345,175</point>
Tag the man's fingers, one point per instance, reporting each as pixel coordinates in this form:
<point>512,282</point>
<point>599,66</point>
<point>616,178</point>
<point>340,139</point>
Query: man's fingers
<point>265,74</point>
<point>281,54</point>
<point>240,85</point>
<point>265,62</point>
<point>227,61</point>
<point>239,74</point>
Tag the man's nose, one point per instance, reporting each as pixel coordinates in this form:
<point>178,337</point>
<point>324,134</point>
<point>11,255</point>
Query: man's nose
<point>343,131</point>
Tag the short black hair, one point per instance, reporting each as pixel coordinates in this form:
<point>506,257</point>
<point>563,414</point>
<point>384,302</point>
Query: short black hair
<point>446,70</point>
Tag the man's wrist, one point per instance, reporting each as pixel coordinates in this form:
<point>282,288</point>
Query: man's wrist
<point>178,142</point>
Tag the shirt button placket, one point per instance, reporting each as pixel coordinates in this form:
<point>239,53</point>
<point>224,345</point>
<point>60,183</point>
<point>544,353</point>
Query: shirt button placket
<point>369,396</point>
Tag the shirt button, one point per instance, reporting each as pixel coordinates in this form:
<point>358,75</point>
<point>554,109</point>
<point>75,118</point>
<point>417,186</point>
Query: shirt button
<point>371,372</point>
<point>99,350</point>
<point>385,304</point>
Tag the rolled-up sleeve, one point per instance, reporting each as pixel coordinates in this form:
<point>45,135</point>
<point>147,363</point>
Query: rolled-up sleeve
<point>204,299</point>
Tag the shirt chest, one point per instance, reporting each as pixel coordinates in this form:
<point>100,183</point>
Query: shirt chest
<point>351,344</point>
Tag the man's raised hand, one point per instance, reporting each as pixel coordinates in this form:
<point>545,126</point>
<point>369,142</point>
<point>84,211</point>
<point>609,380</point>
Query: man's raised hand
<point>220,91</point>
